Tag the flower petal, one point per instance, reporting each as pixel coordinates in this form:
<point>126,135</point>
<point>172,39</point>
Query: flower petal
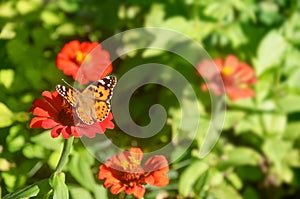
<point>157,166</point>
<point>240,93</point>
<point>42,122</point>
<point>139,191</point>
<point>66,132</point>
<point>231,61</point>
<point>56,131</point>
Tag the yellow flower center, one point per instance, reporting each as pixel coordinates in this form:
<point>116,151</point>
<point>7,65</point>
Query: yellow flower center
<point>134,161</point>
<point>124,165</point>
<point>227,71</point>
<point>79,57</point>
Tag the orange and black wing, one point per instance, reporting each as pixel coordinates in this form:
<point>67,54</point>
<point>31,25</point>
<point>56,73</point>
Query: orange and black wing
<point>69,94</point>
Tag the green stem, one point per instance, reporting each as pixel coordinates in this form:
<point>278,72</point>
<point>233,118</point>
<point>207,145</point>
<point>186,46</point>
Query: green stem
<point>64,154</point>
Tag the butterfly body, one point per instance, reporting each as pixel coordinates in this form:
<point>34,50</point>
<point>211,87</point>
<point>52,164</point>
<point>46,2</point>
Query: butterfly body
<point>92,104</point>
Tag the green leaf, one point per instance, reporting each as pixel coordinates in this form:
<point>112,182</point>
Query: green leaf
<point>224,191</point>
<point>289,103</point>
<point>79,193</point>
<point>60,189</point>
<point>6,116</point>
<point>252,123</point>
<point>34,151</point>
<point>65,29</point>
<point>8,32</point>
<point>242,156</point>
<point>69,6</point>
<point>250,193</point>
<point>15,139</point>
<point>80,168</point>
<point>100,192</point>
<point>292,131</point>
<point>276,150</point>
<point>190,176</point>
<point>235,180</point>
<point>46,141</point>
<point>7,9</point>
<point>274,123</point>
<point>29,191</point>
<point>51,18</point>
<point>265,85</point>
<point>270,52</point>
<point>293,80</point>
<point>26,6</point>
<point>232,118</point>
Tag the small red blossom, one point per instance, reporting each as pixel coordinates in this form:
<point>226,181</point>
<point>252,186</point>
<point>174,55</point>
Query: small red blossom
<point>54,113</point>
<point>124,172</point>
<point>85,61</point>
<point>231,77</point>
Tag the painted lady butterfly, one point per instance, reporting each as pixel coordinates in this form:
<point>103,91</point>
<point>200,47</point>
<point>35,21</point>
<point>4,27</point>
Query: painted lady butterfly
<point>92,104</point>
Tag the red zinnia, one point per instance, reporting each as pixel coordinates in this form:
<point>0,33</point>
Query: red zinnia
<point>236,77</point>
<point>77,60</point>
<point>53,112</point>
<point>123,172</point>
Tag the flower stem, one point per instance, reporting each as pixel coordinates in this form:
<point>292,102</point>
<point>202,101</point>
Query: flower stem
<point>64,154</point>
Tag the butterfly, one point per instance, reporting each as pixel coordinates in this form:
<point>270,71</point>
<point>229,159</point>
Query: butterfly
<point>92,104</point>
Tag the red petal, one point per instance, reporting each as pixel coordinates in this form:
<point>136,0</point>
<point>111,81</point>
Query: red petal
<point>49,123</point>
<point>237,93</point>
<point>36,122</point>
<point>42,122</point>
<point>155,163</point>
<point>54,99</point>
<point>207,69</point>
<point>246,74</point>
<point>117,188</point>
<point>219,63</point>
<point>157,178</point>
<point>139,191</point>
<point>66,132</point>
<point>37,111</point>
<point>55,132</point>
<point>42,104</point>
<point>70,49</point>
<point>137,153</point>
<point>231,61</point>
<point>68,66</point>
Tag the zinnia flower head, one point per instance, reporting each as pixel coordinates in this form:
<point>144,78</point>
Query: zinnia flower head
<point>231,77</point>
<point>124,172</point>
<point>85,61</point>
<point>54,113</point>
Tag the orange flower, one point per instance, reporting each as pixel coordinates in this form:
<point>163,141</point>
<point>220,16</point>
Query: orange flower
<point>82,63</point>
<point>236,77</point>
<point>54,113</point>
<point>123,172</point>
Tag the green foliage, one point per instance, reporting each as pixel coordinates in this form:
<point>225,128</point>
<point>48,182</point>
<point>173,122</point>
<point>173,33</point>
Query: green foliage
<point>257,154</point>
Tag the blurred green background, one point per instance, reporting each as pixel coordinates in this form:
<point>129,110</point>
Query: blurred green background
<point>257,155</point>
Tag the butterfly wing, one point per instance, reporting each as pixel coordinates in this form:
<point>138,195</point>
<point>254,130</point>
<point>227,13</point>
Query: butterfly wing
<point>102,108</point>
<point>102,91</point>
<point>93,102</point>
<point>69,94</point>
<point>85,113</point>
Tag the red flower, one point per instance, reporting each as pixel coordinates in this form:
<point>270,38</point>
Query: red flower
<point>236,76</point>
<point>80,61</point>
<point>53,112</point>
<point>123,172</point>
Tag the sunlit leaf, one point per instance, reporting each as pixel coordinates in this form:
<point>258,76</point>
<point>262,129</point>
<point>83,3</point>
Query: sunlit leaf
<point>6,116</point>
<point>270,52</point>
<point>79,167</point>
<point>190,176</point>
<point>29,191</point>
<point>58,184</point>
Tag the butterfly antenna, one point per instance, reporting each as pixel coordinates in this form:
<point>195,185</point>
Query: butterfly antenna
<point>67,83</point>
